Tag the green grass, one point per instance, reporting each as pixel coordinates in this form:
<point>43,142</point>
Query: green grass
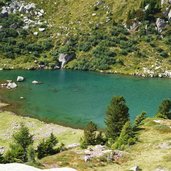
<point>146,153</point>
<point>9,123</point>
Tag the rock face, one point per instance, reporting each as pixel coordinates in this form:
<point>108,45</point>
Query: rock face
<point>20,79</point>
<point>23,167</point>
<point>64,58</point>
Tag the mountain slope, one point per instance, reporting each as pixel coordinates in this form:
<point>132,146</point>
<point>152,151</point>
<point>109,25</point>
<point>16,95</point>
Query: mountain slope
<point>112,36</point>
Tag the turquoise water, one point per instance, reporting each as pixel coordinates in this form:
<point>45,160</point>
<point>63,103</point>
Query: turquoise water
<point>73,98</point>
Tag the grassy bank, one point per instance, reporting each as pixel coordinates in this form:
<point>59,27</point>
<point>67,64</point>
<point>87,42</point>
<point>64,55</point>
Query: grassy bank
<point>152,151</point>
<point>9,123</point>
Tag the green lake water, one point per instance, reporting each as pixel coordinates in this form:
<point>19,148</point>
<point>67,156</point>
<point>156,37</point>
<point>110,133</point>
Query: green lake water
<point>73,98</point>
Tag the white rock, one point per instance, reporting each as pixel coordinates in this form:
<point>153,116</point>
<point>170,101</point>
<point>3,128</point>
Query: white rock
<point>42,29</point>
<point>135,168</point>
<point>160,23</point>
<point>11,85</point>
<point>35,82</point>
<point>169,15</point>
<point>20,79</point>
<point>35,33</point>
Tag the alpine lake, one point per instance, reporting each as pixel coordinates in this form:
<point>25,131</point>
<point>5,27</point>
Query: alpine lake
<point>73,98</point>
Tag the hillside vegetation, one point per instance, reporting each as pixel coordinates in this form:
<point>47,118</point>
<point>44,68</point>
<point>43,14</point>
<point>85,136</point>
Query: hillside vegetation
<point>152,151</point>
<point>112,36</point>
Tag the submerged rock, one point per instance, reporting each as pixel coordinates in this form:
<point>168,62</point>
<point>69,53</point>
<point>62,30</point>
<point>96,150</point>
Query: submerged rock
<point>35,82</point>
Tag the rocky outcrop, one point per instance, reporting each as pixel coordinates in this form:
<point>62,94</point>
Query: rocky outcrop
<point>64,58</point>
<point>29,13</point>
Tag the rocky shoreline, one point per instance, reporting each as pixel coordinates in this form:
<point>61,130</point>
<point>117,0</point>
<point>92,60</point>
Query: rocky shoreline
<point>145,72</point>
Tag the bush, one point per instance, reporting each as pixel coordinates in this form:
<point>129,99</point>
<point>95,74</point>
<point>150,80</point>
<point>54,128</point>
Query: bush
<point>126,138</point>
<point>91,136</point>
<point>31,154</point>
<point>164,54</point>
<point>164,109</point>
<point>46,147</point>
<point>2,160</point>
<point>18,150</point>
<point>138,120</point>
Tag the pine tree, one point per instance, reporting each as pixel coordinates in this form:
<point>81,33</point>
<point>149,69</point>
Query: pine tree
<point>164,109</point>
<point>138,120</point>
<point>18,150</point>
<point>127,137</point>
<point>46,147</point>
<point>90,133</point>
<point>116,116</point>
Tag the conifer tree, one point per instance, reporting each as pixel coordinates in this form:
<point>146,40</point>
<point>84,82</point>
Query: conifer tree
<point>90,133</point>
<point>127,137</point>
<point>18,150</point>
<point>116,116</point>
<point>46,147</point>
<point>164,110</point>
<point>138,120</point>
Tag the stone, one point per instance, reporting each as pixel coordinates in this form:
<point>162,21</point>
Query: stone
<point>11,85</point>
<point>20,79</point>
<point>169,15</point>
<point>56,67</point>
<point>135,168</point>
<point>73,145</point>
<point>35,33</point>
<point>42,29</point>
<point>35,82</point>
<point>160,23</point>
<point>26,27</point>
<point>4,12</point>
